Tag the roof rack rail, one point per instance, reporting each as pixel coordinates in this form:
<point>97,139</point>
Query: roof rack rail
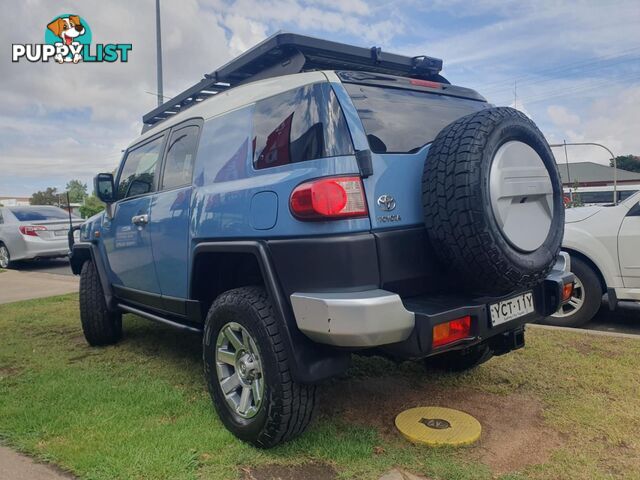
<point>288,53</point>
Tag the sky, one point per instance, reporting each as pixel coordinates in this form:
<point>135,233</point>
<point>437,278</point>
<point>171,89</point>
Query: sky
<point>574,66</point>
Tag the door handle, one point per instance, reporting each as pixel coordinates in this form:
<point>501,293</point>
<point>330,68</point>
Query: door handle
<point>140,219</point>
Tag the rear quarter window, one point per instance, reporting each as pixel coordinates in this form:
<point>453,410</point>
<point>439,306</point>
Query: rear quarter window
<point>403,121</point>
<point>298,125</point>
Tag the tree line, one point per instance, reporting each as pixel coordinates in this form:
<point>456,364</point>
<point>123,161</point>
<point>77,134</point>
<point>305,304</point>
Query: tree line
<point>90,204</point>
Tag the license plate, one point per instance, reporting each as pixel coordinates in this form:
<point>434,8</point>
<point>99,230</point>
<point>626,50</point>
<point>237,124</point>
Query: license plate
<point>511,309</point>
<point>60,233</point>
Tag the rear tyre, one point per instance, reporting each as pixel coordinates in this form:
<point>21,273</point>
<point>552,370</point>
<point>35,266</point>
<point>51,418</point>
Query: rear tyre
<point>459,360</point>
<point>100,326</point>
<point>247,371</point>
<point>493,201</point>
<point>5,258</point>
<point>585,301</point>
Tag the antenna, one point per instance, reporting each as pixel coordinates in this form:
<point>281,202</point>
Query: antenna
<point>159,53</point>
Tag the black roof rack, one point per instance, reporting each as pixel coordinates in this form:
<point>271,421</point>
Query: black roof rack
<point>287,53</point>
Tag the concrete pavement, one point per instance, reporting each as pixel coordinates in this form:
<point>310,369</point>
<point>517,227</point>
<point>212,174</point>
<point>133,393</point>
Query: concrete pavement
<point>14,466</point>
<point>16,285</point>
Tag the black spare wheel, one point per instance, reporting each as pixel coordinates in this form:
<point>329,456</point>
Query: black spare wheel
<point>492,201</point>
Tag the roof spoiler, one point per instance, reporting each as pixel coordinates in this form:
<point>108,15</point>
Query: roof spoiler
<point>289,53</point>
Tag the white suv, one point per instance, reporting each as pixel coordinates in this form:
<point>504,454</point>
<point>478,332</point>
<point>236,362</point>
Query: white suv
<point>604,244</point>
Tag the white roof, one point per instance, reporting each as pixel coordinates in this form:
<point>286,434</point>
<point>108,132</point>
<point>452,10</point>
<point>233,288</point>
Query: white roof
<point>238,97</point>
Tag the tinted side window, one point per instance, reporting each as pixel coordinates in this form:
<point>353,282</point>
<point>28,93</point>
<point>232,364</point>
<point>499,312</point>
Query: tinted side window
<point>223,154</point>
<point>180,157</point>
<point>139,171</point>
<point>624,194</point>
<point>298,125</point>
<point>595,197</point>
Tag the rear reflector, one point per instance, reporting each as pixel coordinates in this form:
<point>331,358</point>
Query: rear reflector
<point>567,291</point>
<point>327,198</point>
<point>31,230</point>
<point>449,332</point>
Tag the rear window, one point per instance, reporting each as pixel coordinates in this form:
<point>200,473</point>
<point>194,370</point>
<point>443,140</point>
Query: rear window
<point>36,214</point>
<point>403,121</point>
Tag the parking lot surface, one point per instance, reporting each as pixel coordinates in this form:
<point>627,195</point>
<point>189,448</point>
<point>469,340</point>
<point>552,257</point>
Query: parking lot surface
<point>625,319</point>
<point>57,266</point>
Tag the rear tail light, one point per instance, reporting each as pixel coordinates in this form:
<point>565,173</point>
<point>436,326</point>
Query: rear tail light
<point>449,332</point>
<point>326,198</point>
<point>31,230</point>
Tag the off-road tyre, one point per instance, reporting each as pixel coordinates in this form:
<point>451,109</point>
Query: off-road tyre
<point>460,222</point>
<point>287,406</point>
<point>591,297</point>
<point>459,360</point>
<point>100,326</point>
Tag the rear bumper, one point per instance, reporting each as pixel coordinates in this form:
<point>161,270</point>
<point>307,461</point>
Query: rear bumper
<point>34,247</point>
<point>376,317</point>
<point>355,319</point>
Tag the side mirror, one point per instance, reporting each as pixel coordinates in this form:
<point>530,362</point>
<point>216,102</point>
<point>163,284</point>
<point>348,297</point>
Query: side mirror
<point>104,187</point>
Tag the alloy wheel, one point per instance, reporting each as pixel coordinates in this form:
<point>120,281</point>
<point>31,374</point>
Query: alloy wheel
<point>239,370</point>
<point>575,303</point>
<point>4,257</point>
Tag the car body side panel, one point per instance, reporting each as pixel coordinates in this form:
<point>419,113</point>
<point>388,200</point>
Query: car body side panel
<point>169,232</point>
<point>629,248</point>
<point>597,239</point>
<point>128,246</point>
<point>223,209</point>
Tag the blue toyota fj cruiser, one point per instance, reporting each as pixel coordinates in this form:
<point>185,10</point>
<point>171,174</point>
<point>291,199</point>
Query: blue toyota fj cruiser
<point>311,199</point>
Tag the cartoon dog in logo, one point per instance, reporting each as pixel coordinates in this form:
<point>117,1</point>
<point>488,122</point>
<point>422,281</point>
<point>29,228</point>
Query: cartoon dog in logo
<point>67,29</point>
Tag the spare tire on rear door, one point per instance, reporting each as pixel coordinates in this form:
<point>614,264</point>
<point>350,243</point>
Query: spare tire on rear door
<point>493,201</point>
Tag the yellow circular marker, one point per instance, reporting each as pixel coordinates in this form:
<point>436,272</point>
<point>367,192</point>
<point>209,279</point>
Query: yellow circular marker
<point>438,426</point>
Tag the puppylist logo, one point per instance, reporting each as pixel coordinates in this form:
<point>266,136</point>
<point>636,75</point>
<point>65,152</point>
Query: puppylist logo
<point>68,40</point>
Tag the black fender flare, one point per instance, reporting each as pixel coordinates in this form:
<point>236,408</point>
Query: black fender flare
<point>310,362</point>
<point>82,252</point>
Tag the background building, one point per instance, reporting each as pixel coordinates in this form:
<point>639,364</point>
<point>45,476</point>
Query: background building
<point>14,201</point>
<point>593,182</point>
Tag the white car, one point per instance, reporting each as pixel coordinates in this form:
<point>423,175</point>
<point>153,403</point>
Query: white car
<point>35,231</point>
<point>604,245</point>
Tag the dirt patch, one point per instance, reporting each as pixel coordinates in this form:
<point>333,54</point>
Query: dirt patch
<point>9,371</point>
<point>309,471</point>
<point>514,433</point>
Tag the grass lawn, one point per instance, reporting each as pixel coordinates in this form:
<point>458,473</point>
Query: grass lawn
<point>566,406</point>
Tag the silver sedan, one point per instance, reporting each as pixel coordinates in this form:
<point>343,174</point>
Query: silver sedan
<point>29,232</point>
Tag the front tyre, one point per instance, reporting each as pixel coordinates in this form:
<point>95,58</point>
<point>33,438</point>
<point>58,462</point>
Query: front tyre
<point>247,370</point>
<point>100,326</point>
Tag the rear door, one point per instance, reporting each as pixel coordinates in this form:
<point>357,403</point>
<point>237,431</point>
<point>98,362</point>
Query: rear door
<point>170,214</point>
<point>126,236</point>
<point>629,247</point>
<point>399,124</point>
